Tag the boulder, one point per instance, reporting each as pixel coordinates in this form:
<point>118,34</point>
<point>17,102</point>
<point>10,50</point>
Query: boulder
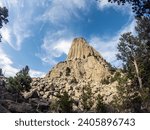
<point>3,109</point>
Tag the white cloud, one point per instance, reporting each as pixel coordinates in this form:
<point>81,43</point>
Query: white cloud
<point>4,58</point>
<point>104,4</point>
<point>125,9</point>
<point>108,48</point>
<point>20,21</point>
<point>6,64</point>
<point>35,73</point>
<point>62,11</point>
<point>9,70</point>
<point>54,45</point>
<point>63,46</point>
<point>5,32</point>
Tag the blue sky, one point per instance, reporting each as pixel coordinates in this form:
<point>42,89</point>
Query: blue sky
<point>40,32</point>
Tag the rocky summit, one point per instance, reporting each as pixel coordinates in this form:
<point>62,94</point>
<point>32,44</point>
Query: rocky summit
<point>84,68</point>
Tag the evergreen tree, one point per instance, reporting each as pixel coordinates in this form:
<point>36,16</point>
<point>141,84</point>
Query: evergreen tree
<point>100,106</point>
<point>3,17</point>
<point>143,31</point>
<point>134,51</point>
<point>20,82</point>
<point>65,103</point>
<point>129,48</point>
<point>139,7</point>
<point>86,98</point>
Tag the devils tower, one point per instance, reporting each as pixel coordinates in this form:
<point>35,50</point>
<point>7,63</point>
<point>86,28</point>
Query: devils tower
<point>84,67</point>
<point>83,61</point>
<point>80,49</point>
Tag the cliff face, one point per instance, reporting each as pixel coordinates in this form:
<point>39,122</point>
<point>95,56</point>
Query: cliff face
<point>80,49</point>
<point>83,62</point>
<point>84,67</point>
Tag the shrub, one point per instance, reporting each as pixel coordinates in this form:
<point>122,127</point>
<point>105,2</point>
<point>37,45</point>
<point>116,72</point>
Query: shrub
<point>86,98</point>
<point>105,81</point>
<point>20,82</point>
<point>68,71</point>
<point>65,103</point>
<point>100,106</point>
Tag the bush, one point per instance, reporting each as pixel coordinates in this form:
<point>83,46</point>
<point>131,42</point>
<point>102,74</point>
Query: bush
<point>68,71</point>
<point>86,98</point>
<point>65,103</point>
<point>116,77</point>
<point>20,82</point>
<point>105,81</point>
<point>100,106</point>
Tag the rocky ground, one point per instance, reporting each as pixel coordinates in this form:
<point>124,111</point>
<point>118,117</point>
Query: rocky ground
<point>16,103</point>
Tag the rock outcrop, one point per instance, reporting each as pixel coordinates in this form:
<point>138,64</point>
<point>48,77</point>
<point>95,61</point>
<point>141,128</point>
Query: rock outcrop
<point>16,103</point>
<point>83,61</point>
<point>84,67</point>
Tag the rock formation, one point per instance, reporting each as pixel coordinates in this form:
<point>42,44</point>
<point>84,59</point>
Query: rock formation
<point>16,103</point>
<point>84,67</point>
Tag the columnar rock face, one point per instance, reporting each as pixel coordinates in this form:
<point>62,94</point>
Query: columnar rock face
<point>83,61</point>
<point>80,49</point>
<point>84,67</point>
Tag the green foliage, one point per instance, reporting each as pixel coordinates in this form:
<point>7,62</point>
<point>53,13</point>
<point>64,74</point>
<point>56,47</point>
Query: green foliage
<point>112,70</point>
<point>136,102</point>
<point>139,7</point>
<point>134,51</point>
<point>105,81</point>
<point>3,17</point>
<point>20,82</point>
<point>68,71</point>
<point>65,103</point>
<point>100,106</point>
<point>122,101</point>
<point>86,98</point>
<point>116,77</point>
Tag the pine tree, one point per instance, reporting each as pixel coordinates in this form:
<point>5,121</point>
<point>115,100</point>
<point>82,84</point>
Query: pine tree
<point>65,103</point>
<point>3,17</point>
<point>129,52</point>
<point>19,82</point>
<point>100,106</point>
<point>139,7</point>
<point>134,51</point>
<point>86,98</point>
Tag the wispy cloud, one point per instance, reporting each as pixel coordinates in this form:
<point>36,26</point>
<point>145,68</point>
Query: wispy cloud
<point>9,70</point>
<point>20,21</point>
<point>60,14</point>
<point>54,45</point>
<point>35,73</point>
<point>104,4</point>
<point>6,64</point>
<point>61,11</point>
<point>108,47</point>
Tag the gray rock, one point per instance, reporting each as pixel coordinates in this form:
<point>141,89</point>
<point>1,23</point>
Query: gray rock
<point>32,94</point>
<point>3,109</point>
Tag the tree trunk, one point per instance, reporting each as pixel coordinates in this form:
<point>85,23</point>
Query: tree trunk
<point>137,73</point>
